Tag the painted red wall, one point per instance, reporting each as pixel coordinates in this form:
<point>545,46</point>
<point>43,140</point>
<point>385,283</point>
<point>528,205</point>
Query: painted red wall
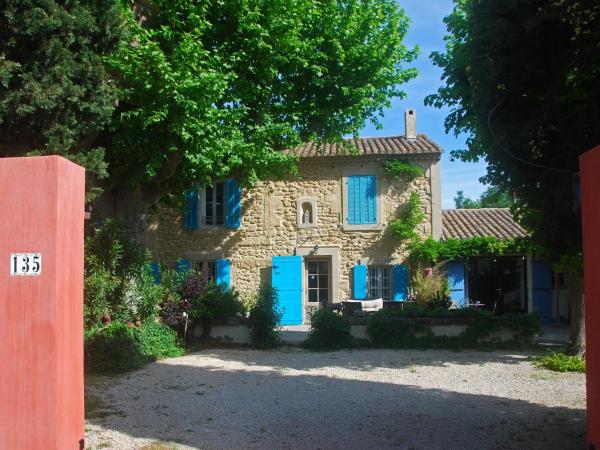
<point>41,317</point>
<point>589,164</point>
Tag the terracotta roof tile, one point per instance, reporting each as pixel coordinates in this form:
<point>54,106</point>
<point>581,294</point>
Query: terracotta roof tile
<point>468,223</point>
<point>390,145</point>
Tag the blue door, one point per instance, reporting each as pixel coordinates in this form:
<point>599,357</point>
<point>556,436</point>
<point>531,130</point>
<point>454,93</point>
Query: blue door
<point>287,280</point>
<point>541,290</point>
<point>456,280</point>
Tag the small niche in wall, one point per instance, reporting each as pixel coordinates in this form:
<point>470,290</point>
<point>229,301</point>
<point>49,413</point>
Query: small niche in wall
<point>307,212</point>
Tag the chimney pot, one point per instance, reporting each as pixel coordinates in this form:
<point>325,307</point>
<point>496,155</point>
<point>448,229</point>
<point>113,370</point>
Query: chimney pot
<point>410,124</point>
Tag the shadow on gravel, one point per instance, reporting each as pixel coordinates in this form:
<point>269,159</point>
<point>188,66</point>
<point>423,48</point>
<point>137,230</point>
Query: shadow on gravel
<point>263,408</point>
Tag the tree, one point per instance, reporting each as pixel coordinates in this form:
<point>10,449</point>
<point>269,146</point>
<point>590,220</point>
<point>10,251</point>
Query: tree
<point>521,78</point>
<point>55,94</point>
<point>219,88</point>
<point>492,197</point>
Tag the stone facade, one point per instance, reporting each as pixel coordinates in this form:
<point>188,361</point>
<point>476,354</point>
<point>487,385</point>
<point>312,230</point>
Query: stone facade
<point>271,224</point>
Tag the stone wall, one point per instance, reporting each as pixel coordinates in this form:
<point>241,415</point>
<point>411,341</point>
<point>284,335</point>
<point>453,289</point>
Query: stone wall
<point>270,226</point>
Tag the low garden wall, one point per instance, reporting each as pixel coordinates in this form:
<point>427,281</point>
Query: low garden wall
<point>441,327</point>
<point>409,331</point>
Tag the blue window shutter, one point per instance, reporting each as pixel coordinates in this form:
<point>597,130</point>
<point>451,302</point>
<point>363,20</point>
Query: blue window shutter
<point>456,279</point>
<point>233,210</point>
<point>224,272</point>
<point>541,290</point>
<point>400,283</point>
<point>155,269</point>
<point>190,216</point>
<point>353,200</point>
<point>370,199</point>
<point>362,199</point>
<point>183,265</point>
<point>360,282</point>
<point>287,281</point>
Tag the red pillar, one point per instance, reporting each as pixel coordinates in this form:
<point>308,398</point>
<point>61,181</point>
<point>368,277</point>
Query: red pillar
<point>41,302</point>
<point>589,164</point>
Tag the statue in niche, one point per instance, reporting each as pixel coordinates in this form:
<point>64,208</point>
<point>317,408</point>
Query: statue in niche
<point>307,213</point>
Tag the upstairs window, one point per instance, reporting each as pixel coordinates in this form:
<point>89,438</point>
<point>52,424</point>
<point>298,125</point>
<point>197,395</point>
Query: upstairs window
<point>214,204</point>
<point>362,200</point>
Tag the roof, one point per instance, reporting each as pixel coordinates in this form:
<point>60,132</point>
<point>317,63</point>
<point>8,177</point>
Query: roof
<point>371,146</point>
<point>469,223</point>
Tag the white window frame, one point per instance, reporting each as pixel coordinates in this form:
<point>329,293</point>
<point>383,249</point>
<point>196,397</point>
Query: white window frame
<point>203,206</point>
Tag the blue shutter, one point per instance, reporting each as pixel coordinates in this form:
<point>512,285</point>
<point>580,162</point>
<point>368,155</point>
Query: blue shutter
<point>400,283</point>
<point>353,200</point>
<point>370,199</point>
<point>183,265</point>
<point>223,270</point>
<point>541,290</point>
<point>456,279</point>
<point>232,204</point>
<point>360,282</point>
<point>287,281</point>
<point>155,269</point>
<point>190,216</point>
<point>362,199</point>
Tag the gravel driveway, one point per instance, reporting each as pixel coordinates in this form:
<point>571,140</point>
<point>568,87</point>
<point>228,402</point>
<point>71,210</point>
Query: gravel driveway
<point>290,398</point>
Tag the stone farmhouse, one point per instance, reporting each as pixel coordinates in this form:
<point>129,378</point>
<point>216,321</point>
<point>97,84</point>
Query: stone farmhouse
<point>324,237</point>
<point>320,237</point>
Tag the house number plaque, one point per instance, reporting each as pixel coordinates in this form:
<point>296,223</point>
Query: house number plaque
<point>25,264</point>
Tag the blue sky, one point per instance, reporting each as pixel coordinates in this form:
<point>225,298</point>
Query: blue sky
<point>427,31</point>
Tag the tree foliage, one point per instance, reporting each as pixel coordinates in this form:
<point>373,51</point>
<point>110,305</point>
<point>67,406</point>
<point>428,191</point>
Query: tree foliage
<point>216,88</point>
<point>55,94</point>
<point>521,78</point>
<point>492,197</point>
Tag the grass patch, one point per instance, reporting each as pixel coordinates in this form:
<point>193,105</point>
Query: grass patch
<point>559,362</point>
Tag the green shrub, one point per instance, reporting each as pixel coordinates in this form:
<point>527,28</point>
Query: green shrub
<point>118,348</point>
<point>141,297</point>
<point>112,260</point>
<point>217,302</point>
<point>559,362</point>
<point>431,291</point>
<point>389,329</point>
<point>156,341</point>
<point>264,318</point>
<point>328,331</point>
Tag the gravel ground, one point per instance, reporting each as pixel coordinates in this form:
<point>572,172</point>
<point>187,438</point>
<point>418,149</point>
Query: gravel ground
<point>352,399</point>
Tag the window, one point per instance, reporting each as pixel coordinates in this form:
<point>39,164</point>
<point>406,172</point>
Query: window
<point>214,206</point>
<point>379,282</point>
<point>362,200</point>
<point>207,267</point>
<point>318,280</point>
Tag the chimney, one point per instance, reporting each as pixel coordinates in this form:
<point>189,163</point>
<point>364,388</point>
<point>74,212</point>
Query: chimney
<point>410,124</point>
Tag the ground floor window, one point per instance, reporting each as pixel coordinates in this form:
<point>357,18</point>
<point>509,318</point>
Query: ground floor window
<point>379,282</point>
<point>207,267</point>
<point>318,281</point>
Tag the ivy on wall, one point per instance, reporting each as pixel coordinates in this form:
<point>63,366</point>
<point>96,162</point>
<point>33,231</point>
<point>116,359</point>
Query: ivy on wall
<point>402,170</point>
<point>432,251</point>
<point>404,226</point>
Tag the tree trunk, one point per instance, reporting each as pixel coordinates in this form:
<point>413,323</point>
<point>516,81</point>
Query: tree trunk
<point>130,206</point>
<point>576,299</point>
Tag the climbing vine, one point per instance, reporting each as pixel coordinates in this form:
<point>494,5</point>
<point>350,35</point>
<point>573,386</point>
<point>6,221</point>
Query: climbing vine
<point>402,170</point>
<point>433,251</point>
<point>404,226</point>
